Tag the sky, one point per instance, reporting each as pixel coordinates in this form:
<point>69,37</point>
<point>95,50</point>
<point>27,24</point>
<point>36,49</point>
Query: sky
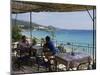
<point>65,20</point>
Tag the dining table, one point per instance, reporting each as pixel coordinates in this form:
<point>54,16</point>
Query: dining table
<point>71,61</point>
<point>37,49</point>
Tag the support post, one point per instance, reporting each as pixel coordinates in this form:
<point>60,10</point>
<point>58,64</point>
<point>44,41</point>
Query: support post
<point>15,19</point>
<point>94,37</point>
<point>31,25</point>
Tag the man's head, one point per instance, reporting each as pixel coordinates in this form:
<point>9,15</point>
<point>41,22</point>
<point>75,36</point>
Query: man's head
<point>24,38</point>
<point>47,38</point>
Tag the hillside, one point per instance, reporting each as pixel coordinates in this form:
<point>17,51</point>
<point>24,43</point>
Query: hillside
<point>26,25</point>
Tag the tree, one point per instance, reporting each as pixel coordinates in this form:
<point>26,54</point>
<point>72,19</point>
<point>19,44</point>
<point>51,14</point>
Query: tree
<point>16,33</point>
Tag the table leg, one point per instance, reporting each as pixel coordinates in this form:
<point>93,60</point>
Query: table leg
<point>89,63</point>
<point>67,66</point>
<point>55,65</point>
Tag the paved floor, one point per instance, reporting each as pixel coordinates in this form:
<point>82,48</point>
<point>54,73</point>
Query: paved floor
<point>29,69</point>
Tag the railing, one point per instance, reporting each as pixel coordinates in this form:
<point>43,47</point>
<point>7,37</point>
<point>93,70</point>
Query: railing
<point>77,47</point>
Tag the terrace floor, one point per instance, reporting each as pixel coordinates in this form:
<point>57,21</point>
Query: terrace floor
<point>29,70</point>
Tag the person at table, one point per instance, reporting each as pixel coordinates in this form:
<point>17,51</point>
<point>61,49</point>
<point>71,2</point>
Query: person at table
<point>50,45</point>
<point>24,45</point>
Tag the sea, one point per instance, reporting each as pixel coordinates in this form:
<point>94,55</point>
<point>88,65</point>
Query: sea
<point>80,36</point>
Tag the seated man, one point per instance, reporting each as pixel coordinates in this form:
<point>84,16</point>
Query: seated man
<point>24,45</point>
<point>24,51</point>
<point>49,44</point>
<point>49,51</point>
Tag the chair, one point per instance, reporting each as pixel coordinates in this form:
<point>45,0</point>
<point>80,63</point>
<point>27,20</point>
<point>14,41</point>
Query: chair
<point>86,65</point>
<point>40,62</point>
<point>83,66</point>
<point>45,60</point>
<point>51,60</point>
<point>22,57</point>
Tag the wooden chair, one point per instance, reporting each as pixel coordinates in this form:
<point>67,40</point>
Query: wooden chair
<point>22,57</point>
<point>45,60</point>
<point>49,57</point>
<point>83,66</point>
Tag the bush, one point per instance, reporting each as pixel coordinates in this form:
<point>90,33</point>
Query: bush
<point>16,33</point>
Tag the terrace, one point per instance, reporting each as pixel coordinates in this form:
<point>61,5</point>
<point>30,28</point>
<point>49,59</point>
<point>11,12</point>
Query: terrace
<point>83,55</point>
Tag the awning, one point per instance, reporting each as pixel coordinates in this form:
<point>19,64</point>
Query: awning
<point>27,6</point>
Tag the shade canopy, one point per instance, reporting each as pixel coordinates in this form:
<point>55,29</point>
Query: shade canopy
<point>27,6</point>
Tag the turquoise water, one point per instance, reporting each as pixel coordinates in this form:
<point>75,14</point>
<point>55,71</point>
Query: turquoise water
<point>80,36</point>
